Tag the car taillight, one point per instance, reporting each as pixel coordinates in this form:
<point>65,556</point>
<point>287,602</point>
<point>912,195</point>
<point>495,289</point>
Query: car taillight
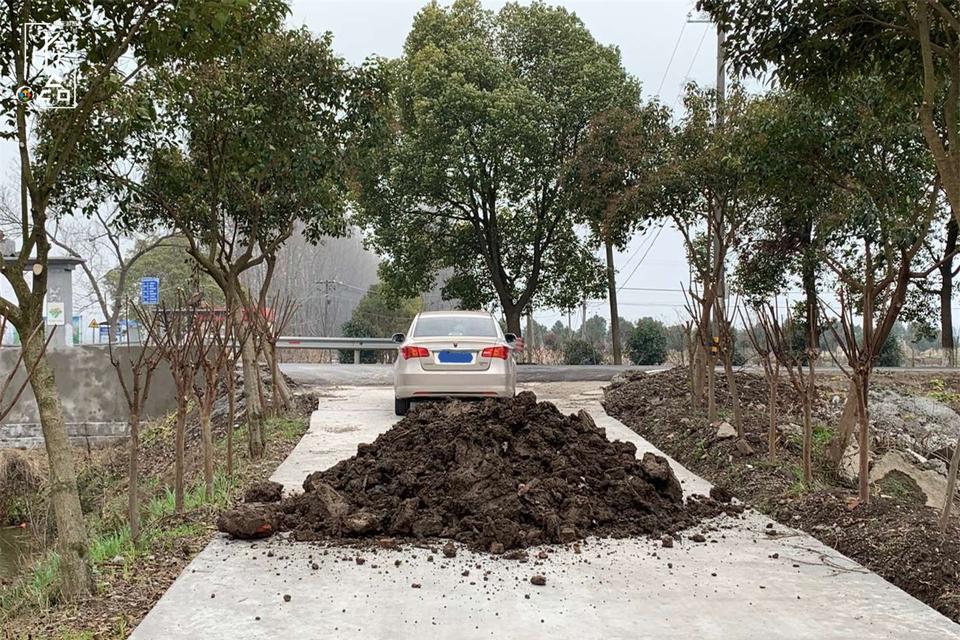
<point>496,352</point>
<point>414,352</point>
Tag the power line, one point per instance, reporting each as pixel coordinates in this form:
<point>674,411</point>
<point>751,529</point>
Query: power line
<point>690,68</point>
<point>637,266</point>
<point>674,53</point>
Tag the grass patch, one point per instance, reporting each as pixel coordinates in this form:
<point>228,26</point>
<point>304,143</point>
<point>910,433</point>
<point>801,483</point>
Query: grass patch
<point>289,427</point>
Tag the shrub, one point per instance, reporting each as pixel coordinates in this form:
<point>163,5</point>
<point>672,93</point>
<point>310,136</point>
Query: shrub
<point>579,351</point>
<point>648,342</point>
<point>890,355</point>
<point>357,329</point>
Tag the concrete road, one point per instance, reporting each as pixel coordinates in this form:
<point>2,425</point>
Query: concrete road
<point>741,584</point>
<point>382,374</point>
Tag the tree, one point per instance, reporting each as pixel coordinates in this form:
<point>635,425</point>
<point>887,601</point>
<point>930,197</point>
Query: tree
<point>704,192</point>
<point>239,187</point>
<point>594,331</point>
<point>580,352</point>
<point>608,179</point>
<point>648,342</point>
<point>135,366</point>
<point>466,172</point>
<point>165,258</point>
<point>912,47</point>
<point>357,328</point>
<point>148,32</point>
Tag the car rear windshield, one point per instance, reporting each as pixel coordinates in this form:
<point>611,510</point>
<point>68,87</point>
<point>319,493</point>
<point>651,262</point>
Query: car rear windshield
<point>478,326</point>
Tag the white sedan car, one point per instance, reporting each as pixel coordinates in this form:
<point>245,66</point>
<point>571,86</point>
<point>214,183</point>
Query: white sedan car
<point>461,354</point>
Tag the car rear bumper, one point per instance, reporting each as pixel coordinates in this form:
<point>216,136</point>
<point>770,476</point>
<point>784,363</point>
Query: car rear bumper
<point>464,384</point>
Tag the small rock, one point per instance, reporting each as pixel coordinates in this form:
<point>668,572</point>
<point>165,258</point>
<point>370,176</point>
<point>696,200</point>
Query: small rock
<point>698,537</point>
<point>415,585</point>
<point>361,560</point>
<point>496,548</point>
<point>538,580</point>
<point>744,448</point>
<point>725,430</point>
<point>449,550</point>
<point>667,541</point>
<point>286,597</point>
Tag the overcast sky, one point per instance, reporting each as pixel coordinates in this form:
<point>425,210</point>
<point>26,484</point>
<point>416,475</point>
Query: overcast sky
<point>658,46</point>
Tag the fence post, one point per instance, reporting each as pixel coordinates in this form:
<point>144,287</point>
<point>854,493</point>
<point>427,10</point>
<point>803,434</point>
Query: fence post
<point>356,356</point>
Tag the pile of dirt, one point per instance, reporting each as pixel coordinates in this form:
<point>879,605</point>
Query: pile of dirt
<point>494,475</point>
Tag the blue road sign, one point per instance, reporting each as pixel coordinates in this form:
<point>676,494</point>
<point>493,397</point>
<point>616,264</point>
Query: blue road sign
<point>149,290</point>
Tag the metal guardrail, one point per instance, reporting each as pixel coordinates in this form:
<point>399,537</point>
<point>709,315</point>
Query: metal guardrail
<point>354,344</point>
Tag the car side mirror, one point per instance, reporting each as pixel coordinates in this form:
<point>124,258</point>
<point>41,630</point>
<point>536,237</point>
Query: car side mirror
<point>510,337</point>
<point>398,338</point>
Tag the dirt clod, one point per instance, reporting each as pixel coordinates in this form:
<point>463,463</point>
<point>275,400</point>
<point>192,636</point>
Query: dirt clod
<point>449,550</point>
<point>667,541</point>
<point>248,522</point>
<point>264,491</point>
<point>538,580</point>
<point>494,475</point>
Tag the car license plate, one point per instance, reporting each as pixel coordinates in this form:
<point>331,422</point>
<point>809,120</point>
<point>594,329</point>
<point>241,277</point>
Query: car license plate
<point>455,357</point>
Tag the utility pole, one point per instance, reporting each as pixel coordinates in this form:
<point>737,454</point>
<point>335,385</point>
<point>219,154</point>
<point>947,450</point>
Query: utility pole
<point>583,322</point>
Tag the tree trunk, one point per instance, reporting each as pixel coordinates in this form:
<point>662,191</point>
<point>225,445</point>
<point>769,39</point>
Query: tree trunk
<point>75,574</point>
<point>698,372</point>
<point>512,316</point>
<point>848,421</point>
<point>179,437</point>
<point>774,389</point>
<point>614,314</point>
<point>813,318</point>
<point>133,489</point>
<point>863,382</point>
<point>231,412</point>
<point>282,396</point>
<point>206,432</point>
<point>946,296</point>
<point>951,487</point>
<point>734,393</point>
<point>807,437</point>
<point>255,439</point>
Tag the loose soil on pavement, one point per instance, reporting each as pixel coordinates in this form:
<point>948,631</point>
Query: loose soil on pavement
<point>494,475</point>
<point>894,535</point>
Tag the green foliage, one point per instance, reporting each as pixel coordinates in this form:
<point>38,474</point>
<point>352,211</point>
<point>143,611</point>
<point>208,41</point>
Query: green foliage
<point>612,174</point>
<point>891,354</point>
<point>466,172</point>
<point>579,352</point>
<point>648,342</point>
<point>595,331</point>
<point>174,266</point>
<point>384,313</point>
<point>356,328</point>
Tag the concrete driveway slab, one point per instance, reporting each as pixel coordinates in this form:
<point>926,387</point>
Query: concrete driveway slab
<point>741,583</point>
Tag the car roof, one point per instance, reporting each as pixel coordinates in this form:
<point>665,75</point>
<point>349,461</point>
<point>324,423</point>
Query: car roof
<point>456,313</point>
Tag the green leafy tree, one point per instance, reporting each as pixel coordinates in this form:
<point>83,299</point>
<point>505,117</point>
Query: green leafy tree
<point>581,352</point>
<point>594,331</point>
<point>648,342</point>
<point>147,32</point>
<point>466,172</point>
<point>891,353</point>
<point>173,265</point>
<point>260,160</point>
<point>610,178</point>
<point>911,47</point>
<point>358,328</point>
<point>384,314</point>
